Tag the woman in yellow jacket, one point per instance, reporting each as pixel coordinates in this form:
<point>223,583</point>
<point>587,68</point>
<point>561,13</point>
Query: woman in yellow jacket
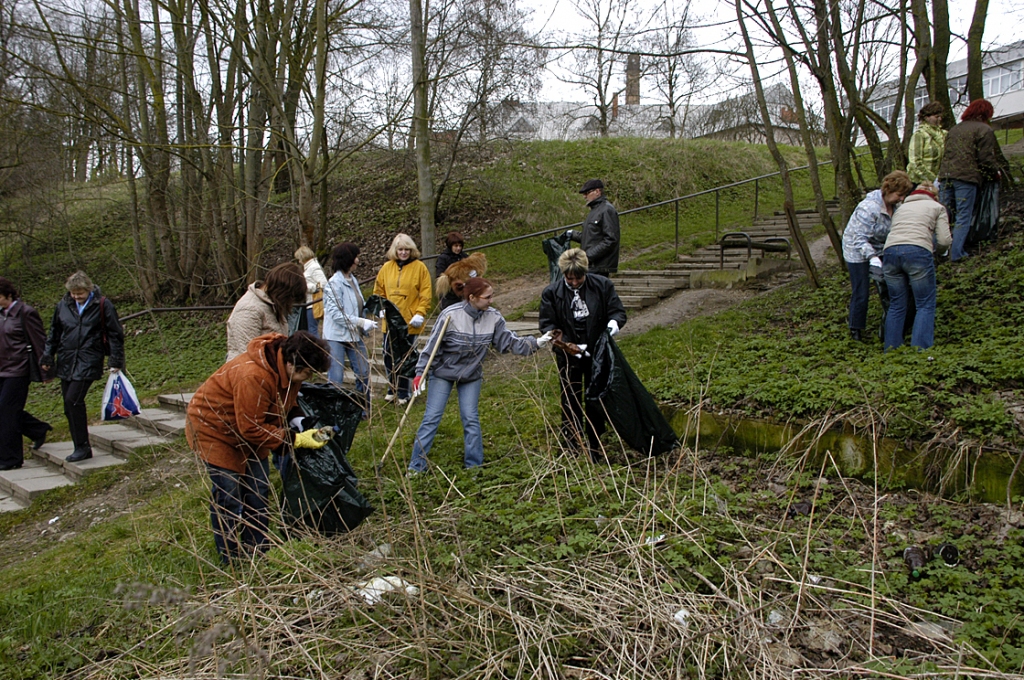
<point>405,281</point>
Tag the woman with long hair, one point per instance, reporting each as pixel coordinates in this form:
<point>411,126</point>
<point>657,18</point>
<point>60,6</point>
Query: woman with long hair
<point>344,325</point>
<point>265,307</point>
<point>22,342</point>
<point>405,281</point>
<point>316,281</point>
<point>84,329</point>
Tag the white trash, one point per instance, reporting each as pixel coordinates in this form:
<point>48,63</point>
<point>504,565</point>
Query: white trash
<point>54,520</point>
<point>373,590</point>
<point>682,617</point>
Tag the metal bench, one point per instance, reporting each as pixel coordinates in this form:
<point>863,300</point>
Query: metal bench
<point>737,240</point>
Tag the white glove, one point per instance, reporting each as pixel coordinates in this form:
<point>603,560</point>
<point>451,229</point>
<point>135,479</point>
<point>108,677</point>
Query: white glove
<point>568,232</point>
<point>381,315</point>
<point>875,262</point>
<point>545,340</point>
<point>583,352</point>
<point>368,325</point>
<point>417,321</point>
<point>613,327</point>
<point>418,385</point>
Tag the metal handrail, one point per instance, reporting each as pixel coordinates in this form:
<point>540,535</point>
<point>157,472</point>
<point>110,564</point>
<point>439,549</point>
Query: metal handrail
<point>151,310</point>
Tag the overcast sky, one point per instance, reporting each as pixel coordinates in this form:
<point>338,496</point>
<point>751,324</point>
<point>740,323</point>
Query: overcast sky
<point>717,20</point>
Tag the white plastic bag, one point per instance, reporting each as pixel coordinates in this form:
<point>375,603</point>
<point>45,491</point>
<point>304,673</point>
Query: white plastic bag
<point>119,399</point>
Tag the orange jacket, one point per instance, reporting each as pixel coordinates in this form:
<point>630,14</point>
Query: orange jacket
<point>240,410</point>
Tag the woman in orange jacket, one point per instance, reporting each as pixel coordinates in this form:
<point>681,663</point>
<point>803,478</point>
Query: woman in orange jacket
<point>405,281</point>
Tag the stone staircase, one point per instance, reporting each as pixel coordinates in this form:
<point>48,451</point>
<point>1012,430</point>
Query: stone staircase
<point>704,268</point>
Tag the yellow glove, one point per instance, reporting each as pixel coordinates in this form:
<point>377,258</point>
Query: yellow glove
<point>308,440</point>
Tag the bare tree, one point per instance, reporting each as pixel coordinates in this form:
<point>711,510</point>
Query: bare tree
<point>679,74</point>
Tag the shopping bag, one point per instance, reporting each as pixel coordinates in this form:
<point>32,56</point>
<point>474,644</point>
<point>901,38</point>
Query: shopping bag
<point>119,400</point>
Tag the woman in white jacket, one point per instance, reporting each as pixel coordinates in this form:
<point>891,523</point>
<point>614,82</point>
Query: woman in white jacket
<point>316,280</point>
<point>344,325</point>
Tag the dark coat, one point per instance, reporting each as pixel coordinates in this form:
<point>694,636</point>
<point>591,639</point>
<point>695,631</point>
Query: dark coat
<point>20,328</point>
<point>602,301</point>
<point>446,259</point>
<point>600,237</point>
<point>972,154</point>
<point>77,341</point>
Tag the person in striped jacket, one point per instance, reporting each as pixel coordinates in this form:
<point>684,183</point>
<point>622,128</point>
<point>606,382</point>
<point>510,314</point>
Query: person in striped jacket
<point>473,328</point>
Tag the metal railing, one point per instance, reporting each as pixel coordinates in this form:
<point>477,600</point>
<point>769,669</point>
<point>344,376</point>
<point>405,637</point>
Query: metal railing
<point>672,201</point>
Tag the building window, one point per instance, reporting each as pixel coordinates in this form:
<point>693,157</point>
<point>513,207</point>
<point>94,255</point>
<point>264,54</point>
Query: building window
<point>1001,79</point>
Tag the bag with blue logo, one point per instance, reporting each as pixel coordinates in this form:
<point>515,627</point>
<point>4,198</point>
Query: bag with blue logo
<point>119,400</point>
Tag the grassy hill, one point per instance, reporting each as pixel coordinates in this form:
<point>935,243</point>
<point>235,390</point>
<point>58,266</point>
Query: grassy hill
<point>708,563</point>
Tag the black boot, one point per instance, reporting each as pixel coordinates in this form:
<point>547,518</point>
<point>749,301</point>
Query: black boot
<point>79,454</point>
<point>38,443</point>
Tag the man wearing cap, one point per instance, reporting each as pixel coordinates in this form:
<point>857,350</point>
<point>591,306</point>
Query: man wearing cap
<point>600,235</point>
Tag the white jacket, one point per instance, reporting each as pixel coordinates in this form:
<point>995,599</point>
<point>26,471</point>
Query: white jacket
<point>343,310</point>
<point>314,277</point>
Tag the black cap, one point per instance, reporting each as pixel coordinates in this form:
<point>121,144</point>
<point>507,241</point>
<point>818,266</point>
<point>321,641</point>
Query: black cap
<point>592,184</point>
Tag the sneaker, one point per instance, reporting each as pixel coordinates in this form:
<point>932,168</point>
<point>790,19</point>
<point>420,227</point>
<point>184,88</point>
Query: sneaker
<point>390,396</point>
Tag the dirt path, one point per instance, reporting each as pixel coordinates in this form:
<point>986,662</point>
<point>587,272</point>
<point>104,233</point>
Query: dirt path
<point>684,305</point>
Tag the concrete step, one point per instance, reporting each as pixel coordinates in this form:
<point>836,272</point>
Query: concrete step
<point>121,440</point>
<point>175,402</point>
<point>9,503</point>
<point>158,421</point>
<point>644,291</point>
<point>33,478</point>
<point>54,454</point>
<point>638,301</point>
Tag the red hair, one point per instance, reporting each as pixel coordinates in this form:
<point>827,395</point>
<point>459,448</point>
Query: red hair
<point>980,109</point>
<point>475,286</point>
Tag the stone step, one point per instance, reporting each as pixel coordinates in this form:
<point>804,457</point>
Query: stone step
<point>177,401</point>
<point>655,283</point>
<point>158,421</point>
<point>33,478</point>
<point>644,291</point>
<point>9,503</point>
<point>638,301</point>
<point>121,440</point>
<point>54,453</point>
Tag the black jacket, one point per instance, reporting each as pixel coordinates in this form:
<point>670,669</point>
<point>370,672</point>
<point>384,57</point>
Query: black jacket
<point>77,341</point>
<point>972,154</point>
<point>20,328</point>
<point>600,237</point>
<point>446,259</point>
<point>602,301</point>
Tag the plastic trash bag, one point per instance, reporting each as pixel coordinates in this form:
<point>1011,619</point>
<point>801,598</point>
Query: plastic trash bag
<point>986,214</point>
<point>553,248</point>
<point>321,488</point>
<point>401,345</point>
<point>119,400</point>
<point>631,410</point>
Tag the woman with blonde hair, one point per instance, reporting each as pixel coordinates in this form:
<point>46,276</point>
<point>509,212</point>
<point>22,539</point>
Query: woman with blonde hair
<point>265,307</point>
<point>316,282</point>
<point>405,281</point>
<point>84,329</point>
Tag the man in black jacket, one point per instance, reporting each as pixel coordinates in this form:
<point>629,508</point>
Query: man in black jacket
<point>600,235</point>
<point>582,306</point>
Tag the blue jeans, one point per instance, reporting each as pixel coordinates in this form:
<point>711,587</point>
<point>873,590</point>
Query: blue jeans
<point>312,324</point>
<point>958,197</point>
<point>356,353</point>
<point>438,391</point>
<point>910,270</point>
<point>860,281</point>
<point>239,509</point>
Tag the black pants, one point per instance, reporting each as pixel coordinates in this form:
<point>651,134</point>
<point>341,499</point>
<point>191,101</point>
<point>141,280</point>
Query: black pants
<point>572,374</point>
<point>32,427</point>
<point>74,392</point>
<point>13,393</point>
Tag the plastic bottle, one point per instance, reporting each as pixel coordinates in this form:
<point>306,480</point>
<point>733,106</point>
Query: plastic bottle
<point>949,554</point>
<point>914,557</point>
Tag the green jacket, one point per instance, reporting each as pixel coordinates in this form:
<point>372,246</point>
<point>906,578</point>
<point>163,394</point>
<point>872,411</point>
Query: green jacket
<point>926,146</point>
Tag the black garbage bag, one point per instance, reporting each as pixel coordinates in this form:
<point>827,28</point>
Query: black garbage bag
<point>321,489</point>
<point>553,248</point>
<point>630,407</point>
<point>401,345</point>
<point>986,214</point>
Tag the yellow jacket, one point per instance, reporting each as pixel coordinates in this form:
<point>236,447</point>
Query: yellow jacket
<point>408,287</point>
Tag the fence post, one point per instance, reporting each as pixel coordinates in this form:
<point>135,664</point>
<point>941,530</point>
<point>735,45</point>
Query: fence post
<point>757,196</point>
<point>677,229</point>
<point>716,214</point>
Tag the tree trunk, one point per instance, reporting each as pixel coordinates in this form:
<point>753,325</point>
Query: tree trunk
<point>975,83</point>
<point>421,130</point>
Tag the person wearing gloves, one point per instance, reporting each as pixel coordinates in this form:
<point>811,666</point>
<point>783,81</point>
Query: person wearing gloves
<point>405,281</point>
<point>316,281</point>
<point>84,329</point>
<point>599,238</point>
<point>233,422</point>
<point>926,145</point>
<point>863,240</point>
<point>474,327</point>
<point>971,158</point>
<point>265,307</point>
<point>21,342</point>
<point>908,260</point>
<point>344,325</point>
<point>583,306</point>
